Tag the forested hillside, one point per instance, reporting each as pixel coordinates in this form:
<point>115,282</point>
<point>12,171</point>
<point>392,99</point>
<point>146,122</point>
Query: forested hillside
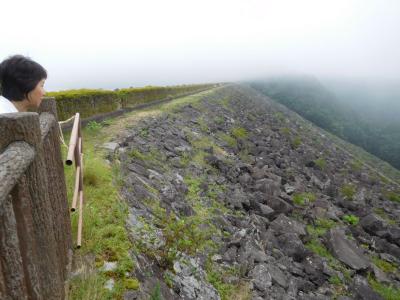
<point>369,124</point>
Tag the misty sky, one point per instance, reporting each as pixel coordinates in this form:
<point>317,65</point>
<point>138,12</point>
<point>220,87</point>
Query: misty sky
<point>114,44</point>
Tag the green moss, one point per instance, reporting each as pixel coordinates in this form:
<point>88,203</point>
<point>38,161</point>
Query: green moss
<point>131,284</point>
<point>351,219</point>
<point>303,198</point>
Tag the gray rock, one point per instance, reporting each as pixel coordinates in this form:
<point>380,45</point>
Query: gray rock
<point>277,276</point>
<point>345,250</point>
<point>261,277</point>
<point>283,224</point>
<point>292,246</point>
<point>373,224</point>
<point>190,280</point>
<point>111,147</point>
<point>278,205</point>
<point>265,210</point>
<point>362,291</point>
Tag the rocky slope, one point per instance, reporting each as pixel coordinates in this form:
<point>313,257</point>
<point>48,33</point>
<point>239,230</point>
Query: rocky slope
<point>235,197</point>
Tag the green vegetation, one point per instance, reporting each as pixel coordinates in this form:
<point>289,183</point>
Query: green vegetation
<point>351,219</point>
<point>388,292</point>
<point>227,139</point>
<point>320,227</point>
<point>384,265</point>
<point>303,198</point>
<point>91,102</point>
<point>239,133</point>
<point>321,163</point>
<point>296,142</point>
<point>393,196</point>
<point>381,212</point>
<point>316,246</point>
<point>348,190</point>
<point>156,293</point>
<point>335,280</point>
<point>217,277</point>
<point>104,233</point>
<point>285,131</point>
<point>356,165</point>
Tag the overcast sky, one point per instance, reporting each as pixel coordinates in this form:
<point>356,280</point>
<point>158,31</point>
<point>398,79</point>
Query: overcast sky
<point>114,44</point>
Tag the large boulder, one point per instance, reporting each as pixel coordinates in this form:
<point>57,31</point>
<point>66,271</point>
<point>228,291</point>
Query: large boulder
<point>373,224</point>
<point>345,250</point>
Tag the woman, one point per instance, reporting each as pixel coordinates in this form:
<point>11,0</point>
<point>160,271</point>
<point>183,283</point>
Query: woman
<point>21,84</point>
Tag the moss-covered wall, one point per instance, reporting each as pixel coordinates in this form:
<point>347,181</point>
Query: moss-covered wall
<point>92,102</point>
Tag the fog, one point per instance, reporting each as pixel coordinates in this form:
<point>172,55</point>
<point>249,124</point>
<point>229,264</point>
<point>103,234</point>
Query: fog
<point>115,44</point>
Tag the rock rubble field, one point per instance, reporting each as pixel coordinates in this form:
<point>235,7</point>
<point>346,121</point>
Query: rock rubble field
<point>233,196</point>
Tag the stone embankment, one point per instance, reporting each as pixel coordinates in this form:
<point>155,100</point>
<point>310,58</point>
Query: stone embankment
<point>236,197</point>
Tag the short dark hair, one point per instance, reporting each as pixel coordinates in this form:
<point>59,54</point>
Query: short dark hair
<point>19,75</point>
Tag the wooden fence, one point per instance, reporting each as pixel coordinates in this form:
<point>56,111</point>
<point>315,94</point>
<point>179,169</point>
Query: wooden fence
<point>35,228</point>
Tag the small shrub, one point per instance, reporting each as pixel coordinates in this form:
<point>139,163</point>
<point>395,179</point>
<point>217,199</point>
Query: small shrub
<point>239,133</point>
<point>321,163</point>
<point>303,198</point>
<point>348,190</point>
<point>296,142</point>
<point>335,280</point>
<point>351,219</point>
<point>93,125</point>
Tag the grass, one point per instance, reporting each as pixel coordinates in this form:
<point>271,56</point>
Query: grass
<point>384,265</point>
<point>351,219</point>
<point>303,198</point>
<point>388,292</point>
<point>348,191</point>
<point>392,196</point>
<point>239,133</point>
<point>228,291</point>
<point>321,163</point>
<point>104,234</point>
<point>296,142</point>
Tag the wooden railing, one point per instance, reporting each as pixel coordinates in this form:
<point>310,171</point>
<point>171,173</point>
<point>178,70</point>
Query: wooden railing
<point>75,153</point>
<point>35,227</point>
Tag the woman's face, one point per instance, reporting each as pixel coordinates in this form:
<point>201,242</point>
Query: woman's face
<point>36,95</point>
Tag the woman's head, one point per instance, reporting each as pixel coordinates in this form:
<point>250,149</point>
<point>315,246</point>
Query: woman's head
<point>22,79</point>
